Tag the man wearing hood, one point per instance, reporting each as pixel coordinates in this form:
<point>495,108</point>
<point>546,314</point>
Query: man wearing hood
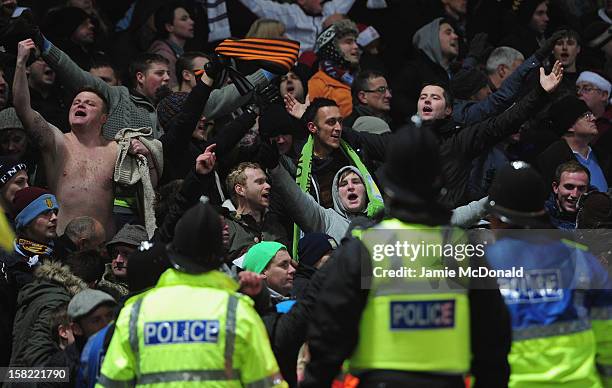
<point>338,53</point>
<point>349,196</point>
<point>437,45</point>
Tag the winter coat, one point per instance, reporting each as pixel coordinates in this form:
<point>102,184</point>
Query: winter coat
<point>460,146</point>
<point>129,110</point>
<point>16,271</point>
<point>111,285</point>
<point>322,85</point>
<point>244,232</point>
<point>302,277</point>
<point>53,285</point>
<point>287,332</point>
<point>559,218</point>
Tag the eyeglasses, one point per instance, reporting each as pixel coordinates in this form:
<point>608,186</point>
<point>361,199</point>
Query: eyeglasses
<point>380,89</point>
<point>588,115</point>
<point>585,89</point>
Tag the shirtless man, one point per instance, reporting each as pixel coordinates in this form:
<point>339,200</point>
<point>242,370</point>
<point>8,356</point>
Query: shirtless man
<point>79,164</point>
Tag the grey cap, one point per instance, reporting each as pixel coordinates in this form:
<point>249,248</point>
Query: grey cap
<point>9,119</point>
<point>371,124</point>
<point>130,235</point>
<point>86,301</point>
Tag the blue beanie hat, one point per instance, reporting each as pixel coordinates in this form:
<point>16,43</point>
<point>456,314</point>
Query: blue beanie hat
<point>30,202</point>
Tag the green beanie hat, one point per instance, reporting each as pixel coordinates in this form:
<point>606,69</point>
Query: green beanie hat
<point>259,255</point>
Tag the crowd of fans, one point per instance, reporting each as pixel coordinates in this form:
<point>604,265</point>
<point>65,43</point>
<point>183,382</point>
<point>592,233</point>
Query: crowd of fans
<point>117,117</point>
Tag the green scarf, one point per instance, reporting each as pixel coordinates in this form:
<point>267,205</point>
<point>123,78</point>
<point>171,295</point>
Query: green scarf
<point>304,170</point>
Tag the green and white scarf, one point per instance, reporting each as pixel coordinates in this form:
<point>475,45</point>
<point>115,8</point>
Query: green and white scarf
<point>304,171</point>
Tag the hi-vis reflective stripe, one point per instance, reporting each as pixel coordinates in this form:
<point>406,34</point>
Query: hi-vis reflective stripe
<point>133,333</point>
<point>601,313</point>
<point>266,382</point>
<point>172,376</point>
<point>420,287</point>
<point>604,370</point>
<point>187,375</point>
<point>110,383</point>
<point>555,329</point>
<point>230,332</point>
<point>230,337</point>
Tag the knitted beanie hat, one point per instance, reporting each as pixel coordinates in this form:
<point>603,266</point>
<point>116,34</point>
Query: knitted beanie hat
<point>9,119</point>
<point>170,106</point>
<point>326,45</point>
<point>9,167</point>
<point>30,202</point>
<point>259,255</point>
<point>313,246</point>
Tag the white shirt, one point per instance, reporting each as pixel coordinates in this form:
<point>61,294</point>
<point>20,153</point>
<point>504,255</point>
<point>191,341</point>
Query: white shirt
<point>299,26</point>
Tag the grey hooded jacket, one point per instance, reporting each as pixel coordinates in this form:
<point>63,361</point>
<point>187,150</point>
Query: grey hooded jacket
<point>304,209</point>
<point>427,39</point>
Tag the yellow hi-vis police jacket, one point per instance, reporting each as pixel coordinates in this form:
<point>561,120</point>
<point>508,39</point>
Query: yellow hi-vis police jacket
<point>407,324</point>
<point>190,330</point>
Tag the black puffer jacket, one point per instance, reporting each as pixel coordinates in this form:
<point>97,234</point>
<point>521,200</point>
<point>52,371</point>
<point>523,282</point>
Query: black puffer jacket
<point>53,285</point>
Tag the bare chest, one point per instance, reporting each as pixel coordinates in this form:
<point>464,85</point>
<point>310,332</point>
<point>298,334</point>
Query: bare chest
<point>88,169</point>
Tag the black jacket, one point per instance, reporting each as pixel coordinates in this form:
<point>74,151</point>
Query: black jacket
<point>287,332</point>
<point>180,152</point>
<point>460,146</point>
<point>334,327</point>
<point>302,277</point>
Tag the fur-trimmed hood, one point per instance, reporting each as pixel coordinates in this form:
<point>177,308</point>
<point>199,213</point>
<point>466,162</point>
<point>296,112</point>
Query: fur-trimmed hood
<point>56,272</point>
<point>51,277</point>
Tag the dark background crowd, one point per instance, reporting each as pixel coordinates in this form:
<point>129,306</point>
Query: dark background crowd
<point>117,116</point>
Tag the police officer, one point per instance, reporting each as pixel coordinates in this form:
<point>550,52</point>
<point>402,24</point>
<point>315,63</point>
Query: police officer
<point>561,305</point>
<point>401,331</point>
<point>192,327</point>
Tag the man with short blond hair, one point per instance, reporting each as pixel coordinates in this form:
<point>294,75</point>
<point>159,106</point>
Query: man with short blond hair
<point>251,223</point>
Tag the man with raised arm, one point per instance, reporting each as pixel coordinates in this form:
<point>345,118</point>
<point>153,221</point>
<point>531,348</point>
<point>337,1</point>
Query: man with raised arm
<point>79,164</point>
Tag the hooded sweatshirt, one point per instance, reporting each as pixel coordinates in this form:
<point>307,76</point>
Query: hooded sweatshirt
<point>306,212</point>
<point>427,39</point>
<point>338,206</point>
